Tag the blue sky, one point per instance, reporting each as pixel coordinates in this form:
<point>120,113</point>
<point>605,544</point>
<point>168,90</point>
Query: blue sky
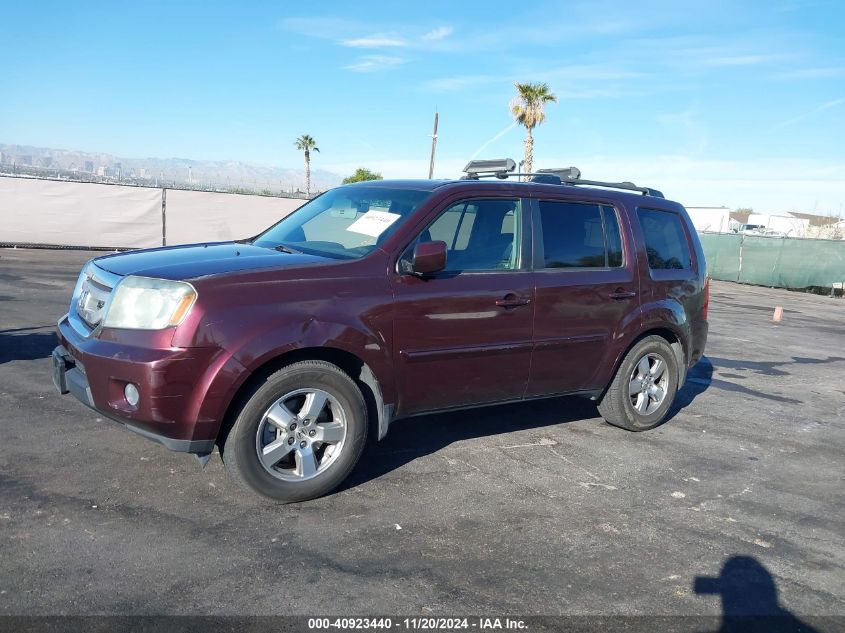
<point>734,103</point>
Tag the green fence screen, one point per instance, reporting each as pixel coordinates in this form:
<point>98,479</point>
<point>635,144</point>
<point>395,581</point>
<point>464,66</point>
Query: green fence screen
<point>773,261</point>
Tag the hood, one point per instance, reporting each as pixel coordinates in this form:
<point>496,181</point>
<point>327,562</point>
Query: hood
<point>197,260</point>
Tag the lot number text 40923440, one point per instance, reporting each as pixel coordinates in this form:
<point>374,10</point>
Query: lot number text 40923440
<point>418,624</point>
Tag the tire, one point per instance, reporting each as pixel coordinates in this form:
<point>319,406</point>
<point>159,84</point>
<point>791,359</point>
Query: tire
<point>286,416</point>
<point>643,410</point>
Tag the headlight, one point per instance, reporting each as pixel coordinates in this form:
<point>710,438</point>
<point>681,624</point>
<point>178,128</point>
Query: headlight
<point>141,303</point>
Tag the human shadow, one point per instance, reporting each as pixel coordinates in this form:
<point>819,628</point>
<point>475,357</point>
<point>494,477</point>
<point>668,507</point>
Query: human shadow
<point>764,368</point>
<point>26,344</point>
<point>773,368</point>
<point>749,599</point>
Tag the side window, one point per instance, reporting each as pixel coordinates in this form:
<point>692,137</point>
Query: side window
<point>445,228</point>
<point>479,234</point>
<point>580,235</point>
<point>665,240</point>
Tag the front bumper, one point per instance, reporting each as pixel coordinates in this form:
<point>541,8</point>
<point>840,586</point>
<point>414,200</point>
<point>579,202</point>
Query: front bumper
<point>182,390</point>
<point>69,377</point>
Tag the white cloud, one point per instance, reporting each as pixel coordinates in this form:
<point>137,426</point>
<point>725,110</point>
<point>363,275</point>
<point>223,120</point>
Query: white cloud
<point>373,63</point>
<point>740,60</point>
<point>493,140</point>
<point>404,168</point>
<point>448,84</point>
<point>688,123</point>
<point>375,41</point>
<point>608,71</point>
<point>437,34</point>
<point>812,73</point>
<point>806,115</point>
<point>585,81</point>
<point>758,183</point>
<point>325,27</point>
<point>814,186</point>
<point>380,40</point>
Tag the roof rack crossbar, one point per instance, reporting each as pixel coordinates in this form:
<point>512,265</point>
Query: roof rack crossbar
<point>505,168</point>
<point>487,168</point>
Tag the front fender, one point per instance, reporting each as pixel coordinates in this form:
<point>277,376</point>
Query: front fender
<point>370,347</point>
<point>256,320</point>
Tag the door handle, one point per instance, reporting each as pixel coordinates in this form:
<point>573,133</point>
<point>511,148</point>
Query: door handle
<point>512,301</point>
<point>621,295</point>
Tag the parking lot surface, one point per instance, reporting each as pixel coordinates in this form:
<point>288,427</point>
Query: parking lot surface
<point>539,508</point>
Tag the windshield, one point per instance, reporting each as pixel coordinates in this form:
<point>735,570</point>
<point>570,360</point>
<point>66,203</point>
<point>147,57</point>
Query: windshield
<point>344,223</point>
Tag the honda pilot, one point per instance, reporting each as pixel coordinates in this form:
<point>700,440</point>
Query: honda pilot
<point>390,299</point>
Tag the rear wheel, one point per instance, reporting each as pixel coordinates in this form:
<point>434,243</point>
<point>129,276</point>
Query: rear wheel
<point>299,434</point>
<point>644,387</point>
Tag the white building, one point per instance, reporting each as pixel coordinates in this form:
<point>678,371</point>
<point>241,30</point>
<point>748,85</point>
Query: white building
<point>710,219</point>
<point>786,223</point>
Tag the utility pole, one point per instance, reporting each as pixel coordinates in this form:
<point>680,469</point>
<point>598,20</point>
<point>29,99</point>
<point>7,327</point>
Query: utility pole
<point>433,147</point>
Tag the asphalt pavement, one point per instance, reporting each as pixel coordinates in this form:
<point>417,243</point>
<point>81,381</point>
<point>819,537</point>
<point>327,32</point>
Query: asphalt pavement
<point>541,508</point>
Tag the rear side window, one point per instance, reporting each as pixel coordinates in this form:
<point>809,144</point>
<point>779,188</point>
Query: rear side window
<point>665,240</point>
<point>580,235</point>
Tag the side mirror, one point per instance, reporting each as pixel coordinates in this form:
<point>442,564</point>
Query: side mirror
<point>429,257</point>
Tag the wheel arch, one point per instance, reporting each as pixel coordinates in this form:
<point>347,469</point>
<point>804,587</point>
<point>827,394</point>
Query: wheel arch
<point>675,341</point>
<point>379,415</point>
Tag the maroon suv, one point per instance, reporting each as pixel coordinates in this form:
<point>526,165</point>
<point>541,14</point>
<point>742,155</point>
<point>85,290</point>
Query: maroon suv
<point>382,300</point>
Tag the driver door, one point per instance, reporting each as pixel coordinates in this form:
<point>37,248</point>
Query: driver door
<point>463,336</point>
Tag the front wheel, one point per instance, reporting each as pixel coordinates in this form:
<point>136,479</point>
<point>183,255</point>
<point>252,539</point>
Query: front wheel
<point>644,387</point>
<point>299,434</point>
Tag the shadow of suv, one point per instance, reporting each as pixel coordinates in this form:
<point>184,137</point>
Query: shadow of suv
<point>390,299</point>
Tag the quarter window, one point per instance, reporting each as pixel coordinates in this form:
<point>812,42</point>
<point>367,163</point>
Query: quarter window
<point>665,240</point>
<point>580,235</point>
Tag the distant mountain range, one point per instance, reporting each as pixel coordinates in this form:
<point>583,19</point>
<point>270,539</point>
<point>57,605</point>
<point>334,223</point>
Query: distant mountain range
<point>183,171</point>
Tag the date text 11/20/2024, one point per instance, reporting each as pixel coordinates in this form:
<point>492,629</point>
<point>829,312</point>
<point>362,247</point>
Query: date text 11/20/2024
<point>418,624</point>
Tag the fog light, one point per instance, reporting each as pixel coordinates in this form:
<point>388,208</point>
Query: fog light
<point>130,392</point>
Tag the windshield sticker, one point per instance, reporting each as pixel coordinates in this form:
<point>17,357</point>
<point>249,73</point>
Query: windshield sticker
<point>373,223</point>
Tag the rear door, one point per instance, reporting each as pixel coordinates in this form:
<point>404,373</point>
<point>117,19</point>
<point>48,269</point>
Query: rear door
<point>463,336</point>
<point>587,293</point>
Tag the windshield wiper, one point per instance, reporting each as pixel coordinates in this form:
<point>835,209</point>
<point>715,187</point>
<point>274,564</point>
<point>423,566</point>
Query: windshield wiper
<point>287,249</point>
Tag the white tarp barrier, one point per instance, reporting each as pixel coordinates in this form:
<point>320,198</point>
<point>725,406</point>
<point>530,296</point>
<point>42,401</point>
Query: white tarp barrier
<point>78,214</point>
<point>201,216</point>
<point>710,219</point>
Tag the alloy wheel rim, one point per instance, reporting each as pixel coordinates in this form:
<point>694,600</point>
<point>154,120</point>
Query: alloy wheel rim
<point>648,384</point>
<point>301,435</point>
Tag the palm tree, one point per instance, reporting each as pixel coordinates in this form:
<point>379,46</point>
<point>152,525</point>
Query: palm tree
<point>527,108</point>
<point>307,144</point>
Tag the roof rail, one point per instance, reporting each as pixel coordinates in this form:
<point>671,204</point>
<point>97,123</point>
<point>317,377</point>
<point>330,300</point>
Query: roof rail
<point>572,176</point>
<point>504,168</point>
